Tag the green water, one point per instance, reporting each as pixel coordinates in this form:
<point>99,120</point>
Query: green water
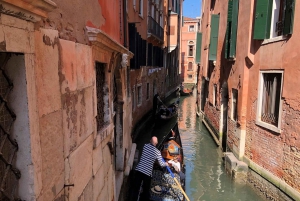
<point>206,179</point>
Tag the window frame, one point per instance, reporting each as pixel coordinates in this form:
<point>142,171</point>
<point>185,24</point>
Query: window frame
<point>141,6</point>
<point>193,28</point>
<point>189,46</point>
<point>259,122</point>
<point>139,94</point>
<point>190,69</point>
<point>234,104</point>
<point>264,22</point>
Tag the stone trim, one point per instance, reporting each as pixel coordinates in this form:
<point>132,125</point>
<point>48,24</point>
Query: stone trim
<point>100,39</point>
<point>276,181</point>
<point>34,11</point>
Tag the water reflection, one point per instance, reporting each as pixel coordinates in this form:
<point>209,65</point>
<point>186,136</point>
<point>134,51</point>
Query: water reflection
<point>205,175</point>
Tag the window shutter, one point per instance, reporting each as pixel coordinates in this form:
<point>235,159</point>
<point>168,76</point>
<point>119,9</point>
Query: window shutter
<point>234,25</point>
<point>228,29</point>
<point>198,47</point>
<point>263,14</point>
<point>213,45</point>
<point>289,10</point>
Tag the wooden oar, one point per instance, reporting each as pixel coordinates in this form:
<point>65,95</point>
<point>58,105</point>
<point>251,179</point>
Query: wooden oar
<point>179,186</point>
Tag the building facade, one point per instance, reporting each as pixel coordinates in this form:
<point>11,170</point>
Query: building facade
<point>248,74</point>
<point>66,123</point>
<point>189,66</point>
<point>153,68</point>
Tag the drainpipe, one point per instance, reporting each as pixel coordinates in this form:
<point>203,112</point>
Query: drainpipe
<point>125,22</point>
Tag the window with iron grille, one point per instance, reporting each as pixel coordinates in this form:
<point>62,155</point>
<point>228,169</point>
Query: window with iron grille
<point>190,66</point>
<point>269,99</point>
<point>102,97</point>
<point>234,115</point>
<point>9,174</point>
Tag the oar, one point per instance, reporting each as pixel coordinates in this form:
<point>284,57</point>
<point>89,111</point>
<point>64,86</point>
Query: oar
<point>179,186</point>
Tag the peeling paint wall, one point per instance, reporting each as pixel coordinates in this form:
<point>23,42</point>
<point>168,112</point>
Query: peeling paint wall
<point>71,17</point>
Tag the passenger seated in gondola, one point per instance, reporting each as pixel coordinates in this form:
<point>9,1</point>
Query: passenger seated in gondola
<point>177,168</point>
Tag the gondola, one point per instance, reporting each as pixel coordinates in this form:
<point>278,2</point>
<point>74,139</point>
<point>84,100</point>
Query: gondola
<point>163,186</point>
<point>165,113</point>
<point>185,92</point>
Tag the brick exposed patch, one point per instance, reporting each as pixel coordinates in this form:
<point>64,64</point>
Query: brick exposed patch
<point>278,153</point>
<point>213,115</point>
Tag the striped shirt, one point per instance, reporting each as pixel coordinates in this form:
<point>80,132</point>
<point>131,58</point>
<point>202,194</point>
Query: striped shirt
<point>149,155</point>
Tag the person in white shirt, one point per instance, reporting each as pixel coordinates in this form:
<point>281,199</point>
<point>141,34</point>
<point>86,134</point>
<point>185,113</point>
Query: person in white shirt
<point>175,164</point>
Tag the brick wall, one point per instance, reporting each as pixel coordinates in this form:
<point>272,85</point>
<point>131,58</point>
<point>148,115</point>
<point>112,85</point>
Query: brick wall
<point>213,115</point>
<point>278,153</point>
<point>232,139</point>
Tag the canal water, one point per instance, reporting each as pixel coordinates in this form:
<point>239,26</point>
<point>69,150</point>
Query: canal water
<point>206,179</point>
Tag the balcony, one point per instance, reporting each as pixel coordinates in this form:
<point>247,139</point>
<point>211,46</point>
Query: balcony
<point>155,29</point>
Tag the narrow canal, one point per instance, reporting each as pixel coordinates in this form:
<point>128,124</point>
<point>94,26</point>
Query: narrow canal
<point>206,179</point>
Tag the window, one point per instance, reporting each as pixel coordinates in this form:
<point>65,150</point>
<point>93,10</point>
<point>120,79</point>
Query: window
<point>190,77</point>
<point>215,95</point>
<point>273,18</point>
<point>198,47</point>
<point>191,28</point>
<point>148,89</point>
<point>214,32</point>
<point>190,66</point>
<point>139,95</point>
<point>191,50</point>
<point>269,100</point>
<point>102,97</point>
<point>141,8</point>
<point>231,31</point>
<point>133,98</point>
<point>234,105</point>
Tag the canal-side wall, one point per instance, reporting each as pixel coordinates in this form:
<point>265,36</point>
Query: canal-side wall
<point>266,184</point>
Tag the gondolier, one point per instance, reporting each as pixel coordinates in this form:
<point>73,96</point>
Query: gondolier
<point>144,169</point>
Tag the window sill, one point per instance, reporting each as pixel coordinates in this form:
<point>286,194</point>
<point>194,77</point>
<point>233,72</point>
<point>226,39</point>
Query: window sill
<point>268,126</point>
<point>273,40</point>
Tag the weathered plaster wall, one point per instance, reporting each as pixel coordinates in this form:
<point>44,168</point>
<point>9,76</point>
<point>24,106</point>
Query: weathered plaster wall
<point>142,77</point>
<point>71,17</point>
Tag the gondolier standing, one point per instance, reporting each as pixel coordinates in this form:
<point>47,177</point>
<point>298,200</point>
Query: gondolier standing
<point>143,170</point>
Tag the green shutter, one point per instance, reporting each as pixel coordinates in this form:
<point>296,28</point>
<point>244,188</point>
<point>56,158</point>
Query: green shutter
<point>288,21</point>
<point>263,14</point>
<point>228,29</point>
<point>214,31</point>
<point>234,25</point>
<point>198,47</point>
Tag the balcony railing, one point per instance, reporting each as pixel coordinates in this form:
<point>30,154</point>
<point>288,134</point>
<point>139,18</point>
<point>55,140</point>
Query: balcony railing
<point>155,29</point>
